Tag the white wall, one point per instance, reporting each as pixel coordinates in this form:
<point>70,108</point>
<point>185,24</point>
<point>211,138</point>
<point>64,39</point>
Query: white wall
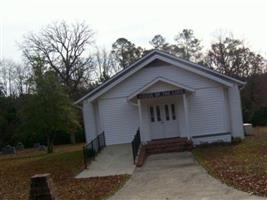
<point>146,75</point>
<point>89,121</point>
<point>235,112</point>
<point>99,122</point>
<point>159,87</point>
<point>120,120</point>
<point>208,112</point>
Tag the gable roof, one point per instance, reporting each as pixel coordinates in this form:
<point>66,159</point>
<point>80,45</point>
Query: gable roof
<point>165,57</point>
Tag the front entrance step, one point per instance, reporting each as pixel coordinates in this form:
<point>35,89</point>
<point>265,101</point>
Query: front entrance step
<point>163,146</point>
<point>168,145</point>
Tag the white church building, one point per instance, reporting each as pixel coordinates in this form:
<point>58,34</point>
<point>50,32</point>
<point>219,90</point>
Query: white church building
<point>164,97</point>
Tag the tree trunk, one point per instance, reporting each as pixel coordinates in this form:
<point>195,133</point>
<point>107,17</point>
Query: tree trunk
<point>72,138</point>
<point>50,144</point>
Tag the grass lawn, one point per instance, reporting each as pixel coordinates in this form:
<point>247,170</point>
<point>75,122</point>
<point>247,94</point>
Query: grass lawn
<point>64,164</point>
<point>243,165</point>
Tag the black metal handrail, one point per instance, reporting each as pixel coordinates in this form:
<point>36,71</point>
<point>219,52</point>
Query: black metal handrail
<point>136,144</point>
<point>91,149</point>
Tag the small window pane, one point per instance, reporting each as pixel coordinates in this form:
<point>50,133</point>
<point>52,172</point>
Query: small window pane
<point>152,117</point>
<point>158,113</point>
<point>173,112</point>
<point>167,112</point>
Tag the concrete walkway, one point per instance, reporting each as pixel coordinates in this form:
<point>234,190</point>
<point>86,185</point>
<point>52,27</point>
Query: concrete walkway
<point>113,160</point>
<point>176,176</point>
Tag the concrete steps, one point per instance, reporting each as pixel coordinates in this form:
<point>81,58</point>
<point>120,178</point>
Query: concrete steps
<point>163,146</point>
<point>168,145</point>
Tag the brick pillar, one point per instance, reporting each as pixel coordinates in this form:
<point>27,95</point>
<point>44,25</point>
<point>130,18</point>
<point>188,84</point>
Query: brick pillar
<point>42,187</point>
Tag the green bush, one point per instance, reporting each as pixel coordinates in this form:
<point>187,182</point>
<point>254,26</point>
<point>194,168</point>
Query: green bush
<point>259,117</point>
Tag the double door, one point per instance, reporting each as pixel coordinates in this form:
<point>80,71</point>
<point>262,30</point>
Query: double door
<point>163,120</point>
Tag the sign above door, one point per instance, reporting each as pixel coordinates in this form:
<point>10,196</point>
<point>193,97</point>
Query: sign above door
<point>161,94</point>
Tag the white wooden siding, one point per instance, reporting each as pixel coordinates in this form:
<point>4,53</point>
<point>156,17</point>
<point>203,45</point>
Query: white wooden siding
<point>120,120</point>
<point>99,123</point>
<point>146,75</point>
<point>235,112</point>
<point>227,110</point>
<point>207,112</point>
<point>89,121</point>
<point>160,86</point>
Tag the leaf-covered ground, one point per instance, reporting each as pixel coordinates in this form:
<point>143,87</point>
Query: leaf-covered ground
<point>63,165</point>
<point>242,165</point>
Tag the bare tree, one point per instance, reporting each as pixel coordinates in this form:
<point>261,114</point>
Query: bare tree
<point>105,65</point>
<point>21,81</point>
<point>13,78</point>
<point>5,73</point>
<point>64,49</point>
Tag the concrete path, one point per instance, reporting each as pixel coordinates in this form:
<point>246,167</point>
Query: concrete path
<point>176,176</point>
<point>113,160</point>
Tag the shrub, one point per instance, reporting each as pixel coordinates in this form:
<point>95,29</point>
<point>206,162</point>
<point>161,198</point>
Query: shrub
<point>259,117</point>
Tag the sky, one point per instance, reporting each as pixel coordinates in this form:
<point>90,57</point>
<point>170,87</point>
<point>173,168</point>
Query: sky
<point>136,20</point>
